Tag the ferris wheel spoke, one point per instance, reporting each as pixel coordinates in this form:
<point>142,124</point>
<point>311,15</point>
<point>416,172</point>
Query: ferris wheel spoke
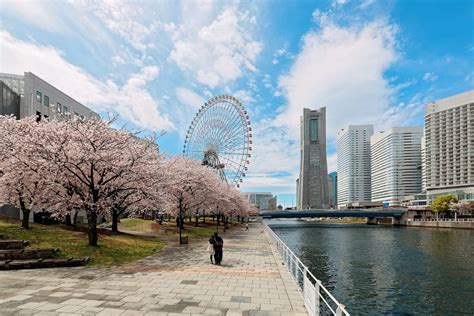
<point>234,164</point>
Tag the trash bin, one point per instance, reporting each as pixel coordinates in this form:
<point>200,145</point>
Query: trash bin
<point>183,240</point>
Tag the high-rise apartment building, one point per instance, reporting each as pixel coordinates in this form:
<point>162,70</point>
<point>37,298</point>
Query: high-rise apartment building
<point>395,164</point>
<point>449,147</point>
<point>313,184</point>
<point>353,164</point>
<point>332,185</point>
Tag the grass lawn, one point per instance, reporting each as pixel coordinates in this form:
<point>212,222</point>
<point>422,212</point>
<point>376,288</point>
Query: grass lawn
<point>169,228</point>
<point>112,249</point>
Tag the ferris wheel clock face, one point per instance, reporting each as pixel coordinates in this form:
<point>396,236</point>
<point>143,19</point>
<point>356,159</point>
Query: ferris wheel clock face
<point>220,136</point>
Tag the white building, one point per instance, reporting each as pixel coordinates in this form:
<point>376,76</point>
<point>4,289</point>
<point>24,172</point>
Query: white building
<point>261,200</point>
<point>449,147</point>
<point>353,164</point>
<point>396,164</point>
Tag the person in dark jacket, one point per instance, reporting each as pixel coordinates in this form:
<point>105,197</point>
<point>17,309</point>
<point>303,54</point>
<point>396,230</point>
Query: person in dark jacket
<point>218,246</point>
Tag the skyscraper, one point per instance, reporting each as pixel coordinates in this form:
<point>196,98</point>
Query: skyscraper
<point>353,164</point>
<point>449,147</point>
<point>332,185</point>
<point>396,164</point>
<point>313,184</point>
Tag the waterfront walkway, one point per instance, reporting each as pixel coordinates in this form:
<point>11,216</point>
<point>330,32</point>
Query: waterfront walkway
<point>176,281</point>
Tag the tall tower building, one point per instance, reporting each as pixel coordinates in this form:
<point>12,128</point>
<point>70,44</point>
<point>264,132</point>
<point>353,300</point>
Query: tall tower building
<point>313,184</point>
<point>353,164</point>
<point>449,147</point>
<point>332,184</point>
<point>396,164</point>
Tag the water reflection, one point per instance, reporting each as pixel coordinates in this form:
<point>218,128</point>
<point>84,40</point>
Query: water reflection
<point>387,270</point>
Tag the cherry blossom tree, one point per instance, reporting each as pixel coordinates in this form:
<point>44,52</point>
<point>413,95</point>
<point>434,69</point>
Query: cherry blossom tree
<point>25,178</point>
<point>101,169</point>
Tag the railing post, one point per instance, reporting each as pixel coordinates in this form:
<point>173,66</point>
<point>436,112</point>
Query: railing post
<point>339,310</point>
<point>316,298</point>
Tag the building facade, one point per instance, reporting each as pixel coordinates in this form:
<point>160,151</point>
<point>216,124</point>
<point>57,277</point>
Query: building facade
<point>449,147</point>
<point>332,185</point>
<point>395,164</point>
<point>261,200</point>
<point>353,164</point>
<point>37,97</point>
<point>297,193</point>
<point>313,185</point>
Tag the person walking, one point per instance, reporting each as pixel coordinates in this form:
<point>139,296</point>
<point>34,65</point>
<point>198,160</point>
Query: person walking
<point>246,226</point>
<point>218,249</point>
<point>210,248</point>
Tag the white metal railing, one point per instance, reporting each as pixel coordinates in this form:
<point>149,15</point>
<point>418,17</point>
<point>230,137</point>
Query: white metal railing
<point>317,299</point>
<point>444,220</point>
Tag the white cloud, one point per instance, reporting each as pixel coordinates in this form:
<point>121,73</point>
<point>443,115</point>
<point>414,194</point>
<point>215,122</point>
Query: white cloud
<point>269,182</point>
<point>366,3</point>
<point>336,3</point>
<point>123,19</point>
<point>189,98</point>
<point>332,162</point>
<point>342,69</point>
<point>430,76</point>
<point>36,13</point>
<point>216,52</point>
<point>244,96</point>
<point>132,100</point>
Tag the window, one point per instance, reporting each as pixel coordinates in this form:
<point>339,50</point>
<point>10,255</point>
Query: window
<point>46,100</point>
<point>313,130</point>
<point>65,108</point>
<point>39,97</point>
<point>60,107</point>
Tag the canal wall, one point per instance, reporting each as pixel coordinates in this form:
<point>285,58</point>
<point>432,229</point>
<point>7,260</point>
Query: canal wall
<point>441,224</point>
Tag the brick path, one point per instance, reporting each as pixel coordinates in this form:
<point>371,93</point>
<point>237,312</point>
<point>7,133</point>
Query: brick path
<point>177,281</point>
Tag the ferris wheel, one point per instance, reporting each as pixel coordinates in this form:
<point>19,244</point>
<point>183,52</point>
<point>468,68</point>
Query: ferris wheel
<point>220,136</point>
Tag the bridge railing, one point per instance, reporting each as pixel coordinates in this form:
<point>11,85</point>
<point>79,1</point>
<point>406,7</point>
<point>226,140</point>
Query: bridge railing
<point>443,220</point>
<point>317,299</point>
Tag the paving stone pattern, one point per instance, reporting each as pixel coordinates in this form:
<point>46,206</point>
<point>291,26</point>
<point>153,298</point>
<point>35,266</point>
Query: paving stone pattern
<point>180,280</point>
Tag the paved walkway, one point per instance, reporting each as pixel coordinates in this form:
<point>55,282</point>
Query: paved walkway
<point>177,281</point>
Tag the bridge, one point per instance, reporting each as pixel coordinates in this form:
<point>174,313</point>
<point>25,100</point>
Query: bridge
<point>372,215</point>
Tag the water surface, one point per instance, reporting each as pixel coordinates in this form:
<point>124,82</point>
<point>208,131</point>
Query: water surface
<point>387,270</point>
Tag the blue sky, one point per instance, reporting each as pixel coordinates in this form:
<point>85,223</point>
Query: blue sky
<point>155,63</point>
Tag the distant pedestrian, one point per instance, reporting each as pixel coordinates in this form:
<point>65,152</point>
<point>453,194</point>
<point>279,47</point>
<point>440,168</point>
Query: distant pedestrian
<point>210,248</point>
<point>218,249</point>
<point>246,227</point>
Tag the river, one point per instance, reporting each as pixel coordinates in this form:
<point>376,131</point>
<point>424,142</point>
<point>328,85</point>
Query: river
<point>387,270</point>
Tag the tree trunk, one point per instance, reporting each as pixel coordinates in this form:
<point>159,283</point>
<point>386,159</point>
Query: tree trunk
<point>92,228</point>
<point>25,223</point>
<point>114,221</point>
<point>204,217</point>
<point>75,218</point>
<point>68,220</point>
<point>197,220</point>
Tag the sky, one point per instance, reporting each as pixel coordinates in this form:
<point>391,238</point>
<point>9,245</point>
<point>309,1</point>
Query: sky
<point>155,63</point>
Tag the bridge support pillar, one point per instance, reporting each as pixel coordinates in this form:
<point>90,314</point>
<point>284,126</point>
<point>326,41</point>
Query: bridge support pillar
<point>372,221</point>
<point>396,221</point>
